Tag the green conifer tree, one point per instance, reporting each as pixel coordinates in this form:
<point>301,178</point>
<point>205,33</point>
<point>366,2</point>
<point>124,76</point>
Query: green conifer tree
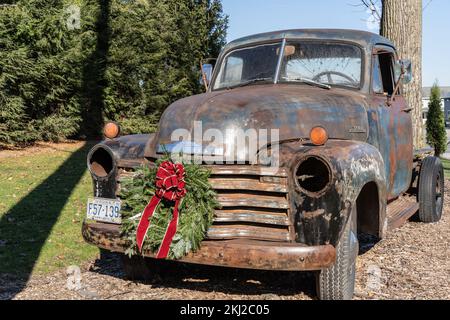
<point>154,56</point>
<point>124,61</point>
<point>436,133</point>
<point>39,72</point>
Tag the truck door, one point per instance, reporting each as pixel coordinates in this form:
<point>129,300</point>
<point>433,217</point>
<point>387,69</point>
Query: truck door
<point>394,124</point>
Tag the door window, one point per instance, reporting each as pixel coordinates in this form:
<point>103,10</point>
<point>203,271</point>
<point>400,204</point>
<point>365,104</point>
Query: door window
<point>383,81</point>
<point>387,72</point>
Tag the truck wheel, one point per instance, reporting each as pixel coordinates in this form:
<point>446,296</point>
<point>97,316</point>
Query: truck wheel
<point>431,190</point>
<point>338,281</point>
<point>139,268</point>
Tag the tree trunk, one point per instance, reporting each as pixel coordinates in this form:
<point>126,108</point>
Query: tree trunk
<point>401,22</point>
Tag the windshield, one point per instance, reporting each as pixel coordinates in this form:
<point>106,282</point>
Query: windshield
<point>303,61</point>
<point>248,65</point>
<point>332,64</point>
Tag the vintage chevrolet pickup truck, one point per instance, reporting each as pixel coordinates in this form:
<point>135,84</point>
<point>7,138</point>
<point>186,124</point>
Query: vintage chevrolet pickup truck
<point>346,163</point>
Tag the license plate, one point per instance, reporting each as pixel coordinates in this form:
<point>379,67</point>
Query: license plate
<point>104,210</point>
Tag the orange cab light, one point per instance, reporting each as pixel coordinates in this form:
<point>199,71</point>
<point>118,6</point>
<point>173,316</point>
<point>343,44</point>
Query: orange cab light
<point>318,136</point>
<point>111,130</point>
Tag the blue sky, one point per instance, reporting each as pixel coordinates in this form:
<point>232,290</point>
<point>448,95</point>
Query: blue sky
<point>255,16</point>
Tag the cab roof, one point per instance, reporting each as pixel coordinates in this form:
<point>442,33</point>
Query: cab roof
<point>362,38</point>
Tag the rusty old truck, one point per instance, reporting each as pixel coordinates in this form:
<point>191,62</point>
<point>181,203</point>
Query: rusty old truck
<point>346,166</point>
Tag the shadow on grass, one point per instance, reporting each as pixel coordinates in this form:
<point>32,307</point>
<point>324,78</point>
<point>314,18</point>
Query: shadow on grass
<point>26,227</point>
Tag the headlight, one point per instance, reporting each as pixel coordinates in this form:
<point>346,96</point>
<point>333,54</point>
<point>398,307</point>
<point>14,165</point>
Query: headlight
<point>313,176</point>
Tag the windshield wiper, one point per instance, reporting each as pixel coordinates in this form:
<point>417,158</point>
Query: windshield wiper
<point>251,81</point>
<point>310,82</point>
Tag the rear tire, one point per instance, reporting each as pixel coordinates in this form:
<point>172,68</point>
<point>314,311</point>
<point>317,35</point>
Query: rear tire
<point>431,190</point>
<point>338,281</point>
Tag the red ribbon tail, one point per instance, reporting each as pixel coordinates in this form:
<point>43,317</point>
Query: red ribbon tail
<point>144,223</point>
<point>170,233</point>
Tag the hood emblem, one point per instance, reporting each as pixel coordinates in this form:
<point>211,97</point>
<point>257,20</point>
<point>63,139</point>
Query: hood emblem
<point>189,147</point>
<point>357,129</point>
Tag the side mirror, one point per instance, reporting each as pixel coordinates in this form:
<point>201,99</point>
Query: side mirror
<point>403,74</point>
<point>207,71</point>
<point>403,71</point>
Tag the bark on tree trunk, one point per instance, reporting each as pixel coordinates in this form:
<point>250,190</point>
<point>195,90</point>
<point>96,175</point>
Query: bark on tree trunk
<point>401,22</point>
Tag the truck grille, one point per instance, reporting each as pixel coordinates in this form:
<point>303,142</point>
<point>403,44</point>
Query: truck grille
<point>254,202</point>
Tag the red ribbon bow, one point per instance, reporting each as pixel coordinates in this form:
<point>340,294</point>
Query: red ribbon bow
<point>170,186</point>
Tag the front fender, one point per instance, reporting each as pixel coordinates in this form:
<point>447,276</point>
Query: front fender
<point>130,147</point>
<point>122,152</point>
<point>320,218</point>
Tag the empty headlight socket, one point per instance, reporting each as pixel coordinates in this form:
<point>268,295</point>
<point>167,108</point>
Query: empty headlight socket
<point>101,162</point>
<point>313,176</point>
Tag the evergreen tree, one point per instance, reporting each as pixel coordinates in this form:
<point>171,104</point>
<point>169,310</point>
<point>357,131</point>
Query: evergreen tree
<point>38,74</point>
<point>126,61</point>
<point>436,133</point>
<point>155,52</point>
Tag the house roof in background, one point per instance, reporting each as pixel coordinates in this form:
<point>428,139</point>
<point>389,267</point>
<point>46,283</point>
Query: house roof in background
<point>445,92</point>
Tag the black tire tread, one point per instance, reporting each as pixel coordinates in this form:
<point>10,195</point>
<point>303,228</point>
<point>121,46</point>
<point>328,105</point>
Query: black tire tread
<point>337,283</point>
<point>427,186</point>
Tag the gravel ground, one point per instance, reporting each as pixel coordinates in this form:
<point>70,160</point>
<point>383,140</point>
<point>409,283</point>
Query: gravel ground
<point>411,263</point>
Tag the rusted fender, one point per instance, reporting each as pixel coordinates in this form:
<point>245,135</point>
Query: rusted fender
<point>130,147</point>
<point>127,151</point>
<point>320,218</point>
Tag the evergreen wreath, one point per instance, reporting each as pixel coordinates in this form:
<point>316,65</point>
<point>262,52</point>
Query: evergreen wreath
<point>196,210</point>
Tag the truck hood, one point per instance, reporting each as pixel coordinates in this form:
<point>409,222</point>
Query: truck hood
<point>293,109</point>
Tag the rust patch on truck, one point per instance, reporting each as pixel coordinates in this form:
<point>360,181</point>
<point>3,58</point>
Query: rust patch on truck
<point>260,255</point>
<point>313,214</point>
<point>296,218</point>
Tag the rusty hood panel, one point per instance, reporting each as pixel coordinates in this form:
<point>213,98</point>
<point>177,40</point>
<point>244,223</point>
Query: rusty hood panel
<point>293,109</point>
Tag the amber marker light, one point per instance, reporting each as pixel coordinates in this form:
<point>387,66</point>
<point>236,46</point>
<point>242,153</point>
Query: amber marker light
<point>111,130</point>
<point>318,136</point>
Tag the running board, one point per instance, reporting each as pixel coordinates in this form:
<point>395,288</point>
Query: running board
<point>400,210</point>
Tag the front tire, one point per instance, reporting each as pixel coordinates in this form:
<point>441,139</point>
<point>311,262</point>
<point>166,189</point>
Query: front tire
<point>338,281</point>
<point>431,190</point>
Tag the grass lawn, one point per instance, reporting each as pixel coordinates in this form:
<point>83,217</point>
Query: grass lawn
<point>43,192</point>
<point>446,164</point>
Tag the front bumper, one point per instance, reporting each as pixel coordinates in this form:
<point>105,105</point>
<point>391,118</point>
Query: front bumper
<point>246,254</point>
